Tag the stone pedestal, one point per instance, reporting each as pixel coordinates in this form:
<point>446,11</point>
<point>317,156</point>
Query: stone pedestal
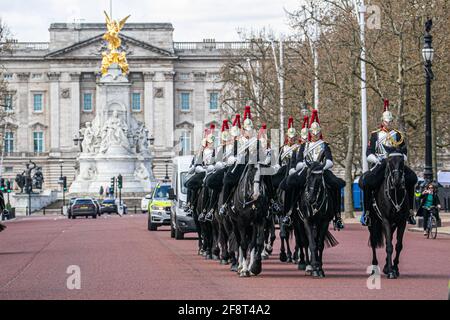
<point>38,201</point>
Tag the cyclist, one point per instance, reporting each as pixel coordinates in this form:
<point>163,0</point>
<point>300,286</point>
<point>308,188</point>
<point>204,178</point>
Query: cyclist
<point>429,203</point>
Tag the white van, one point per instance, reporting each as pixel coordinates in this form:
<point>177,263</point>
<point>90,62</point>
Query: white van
<point>181,222</point>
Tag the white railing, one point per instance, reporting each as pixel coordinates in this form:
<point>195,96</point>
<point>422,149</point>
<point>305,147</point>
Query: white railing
<point>178,46</point>
<point>26,46</point>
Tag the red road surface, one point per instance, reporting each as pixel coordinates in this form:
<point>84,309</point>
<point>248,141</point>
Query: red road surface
<point>120,259</point>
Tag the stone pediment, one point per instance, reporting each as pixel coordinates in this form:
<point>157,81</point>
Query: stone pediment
<point>93,48</point>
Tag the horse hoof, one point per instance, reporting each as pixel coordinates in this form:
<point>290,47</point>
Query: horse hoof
<point>265,257</point>
<point>244,274</point>
<point>223,262</point>
<point>392,275</point>
<point>321,274</point>
<point>385,270</point>
<point>302,266</point>
<point>214,257</point>
<point>234,268</point>
<point>395,271</point>
<point>289,260</point>
<point>283,257</point>
<point>256,268</point>
<point>269,250</point>
<point>201,252</point>
<point>316,274</point>
<point>308,270</point>
<point>209,257</point>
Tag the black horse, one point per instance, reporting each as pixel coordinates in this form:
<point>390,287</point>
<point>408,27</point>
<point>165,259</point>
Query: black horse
<point>389,213</point>
<point>316,212</point>
<point>250,206</point>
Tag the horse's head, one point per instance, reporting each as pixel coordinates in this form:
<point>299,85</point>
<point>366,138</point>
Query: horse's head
<point>314,181</point>
<point>395,167</point>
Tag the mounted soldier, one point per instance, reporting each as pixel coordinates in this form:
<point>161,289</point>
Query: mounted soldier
<point>197,171</point>
<point>317,150</point>
<point>381,141</point>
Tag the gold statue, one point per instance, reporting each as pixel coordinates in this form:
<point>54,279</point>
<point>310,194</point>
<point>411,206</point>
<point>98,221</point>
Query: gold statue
<point>114,43</point>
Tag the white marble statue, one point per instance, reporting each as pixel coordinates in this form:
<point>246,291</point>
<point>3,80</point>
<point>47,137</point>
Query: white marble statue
<point>142,172</point>
<point>114,133</point>
<point>89,139</point>
<point>88,173</point>
<point>142,140</point>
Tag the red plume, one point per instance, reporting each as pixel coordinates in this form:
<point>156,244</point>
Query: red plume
<point>237,121</point>
<point>225,125</point>
<point>290,122</point>
<point>386,105</point>
<point>315,118</point>
<point>305,122</point>
<point>247,113</point>
<point>212,127</point>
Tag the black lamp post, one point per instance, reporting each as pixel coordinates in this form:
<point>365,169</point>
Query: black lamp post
<point>167,170</point>
<point>61,181</point>
<point>428,53</point>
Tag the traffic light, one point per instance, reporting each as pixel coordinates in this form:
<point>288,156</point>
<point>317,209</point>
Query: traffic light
<point>120,181</point>
<point>8,186</point>
<point>64,184</point>
<point>113,184</point>
<point>2,184</point>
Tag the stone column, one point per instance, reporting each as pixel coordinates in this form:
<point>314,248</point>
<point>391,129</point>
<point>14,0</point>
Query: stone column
<point>23,108</point>
<point>75,111</point>
<point>54,111</point>
<point>169,112</point>
<point>148,102</point>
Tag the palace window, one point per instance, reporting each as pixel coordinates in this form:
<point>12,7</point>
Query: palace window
<point>38,139</point>
<point>37,102</point>
<point>87,102</point>
<point>185,101</point>
<point>9,142</point>
<point>8,102</point>
<point>8,76</point>
<point>136,101</point>
<point>185,143</point>
<point>213,101</point>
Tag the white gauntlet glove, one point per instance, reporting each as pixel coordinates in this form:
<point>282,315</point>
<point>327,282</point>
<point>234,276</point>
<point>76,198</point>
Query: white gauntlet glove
<point>300,166</point>
<point>328,165</point>
<point>373,159</point>
<point>199,169</point>
<point>292,171</point>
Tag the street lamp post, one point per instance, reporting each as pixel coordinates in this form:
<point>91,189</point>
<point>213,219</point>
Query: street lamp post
<point>167,170</point>
<point>61,181</point>
<point>428,53</point>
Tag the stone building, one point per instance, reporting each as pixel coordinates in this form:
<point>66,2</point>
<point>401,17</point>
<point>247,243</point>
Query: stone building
<point>52,93</point>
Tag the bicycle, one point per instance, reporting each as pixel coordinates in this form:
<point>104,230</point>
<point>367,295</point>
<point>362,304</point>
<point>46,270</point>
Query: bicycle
<point>432,224</point>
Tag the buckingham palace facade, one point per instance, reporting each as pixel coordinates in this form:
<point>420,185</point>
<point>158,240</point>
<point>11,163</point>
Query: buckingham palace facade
<point>175,91</point>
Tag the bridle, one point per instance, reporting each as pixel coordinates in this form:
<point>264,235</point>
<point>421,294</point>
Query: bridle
<point>321,197</point>
<point>389,186</point>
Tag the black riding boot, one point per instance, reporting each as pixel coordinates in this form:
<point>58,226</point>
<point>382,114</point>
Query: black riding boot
<point>410,195</point>
<point>365,219</point>
<point>338,223</point>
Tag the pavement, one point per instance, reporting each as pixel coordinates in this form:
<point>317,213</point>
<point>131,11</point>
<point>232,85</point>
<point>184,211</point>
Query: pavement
<point>119,259</point>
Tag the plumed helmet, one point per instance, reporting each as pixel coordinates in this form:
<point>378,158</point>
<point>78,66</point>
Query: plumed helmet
<point>314,125</point>
<point>211,137</point>
<point>387,114</point>
<point>225,135</point>
<point>248,123</point>
<point>236,128</point>
<point>304,133</point>
<point>291,130</point>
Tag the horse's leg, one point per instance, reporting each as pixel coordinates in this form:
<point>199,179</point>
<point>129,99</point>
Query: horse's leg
<point>288,246</point>
<point>312,248</point>
<point>257,264</point>
<point>321,246</point>
<point>222,241</point>
<point>399,247</point>
<point>389,249</point>
<point>243,250</point>
<point>273,235</point>
<point>283,256</point>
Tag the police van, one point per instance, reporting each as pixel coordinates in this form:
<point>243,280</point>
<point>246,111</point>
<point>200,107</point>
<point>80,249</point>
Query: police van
<point>159,206</point>
<point>181,221</point>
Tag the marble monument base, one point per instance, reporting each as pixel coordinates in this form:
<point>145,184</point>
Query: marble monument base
<point>97,170</point>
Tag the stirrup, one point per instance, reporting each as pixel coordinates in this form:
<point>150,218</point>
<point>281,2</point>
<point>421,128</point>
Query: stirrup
<point>201,217</point>
<point>338,224</point>
<point>287,221</point>
<point>222,210</point>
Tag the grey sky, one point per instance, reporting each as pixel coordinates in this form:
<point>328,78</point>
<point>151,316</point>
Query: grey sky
<point>193,20</point>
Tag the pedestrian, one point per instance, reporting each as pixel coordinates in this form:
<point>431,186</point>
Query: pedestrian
<point>2,208</point>
<point>429,204</point>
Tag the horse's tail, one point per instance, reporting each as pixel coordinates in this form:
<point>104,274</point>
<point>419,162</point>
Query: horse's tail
<point>376,230</point>
<point>330,240</point>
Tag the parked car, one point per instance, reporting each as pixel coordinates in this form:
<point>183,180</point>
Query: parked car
<point>83,207</point>
<point>108,206</point>
<point>71,201</point>
<point>181,221</point>
<point>159,207</point>
<point>144,203</point>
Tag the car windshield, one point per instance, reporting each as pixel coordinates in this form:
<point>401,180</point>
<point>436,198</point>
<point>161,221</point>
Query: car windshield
<point>161,193</point>
<point>83,201</point>
<point>183,180</point>
<point>108,201</point>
